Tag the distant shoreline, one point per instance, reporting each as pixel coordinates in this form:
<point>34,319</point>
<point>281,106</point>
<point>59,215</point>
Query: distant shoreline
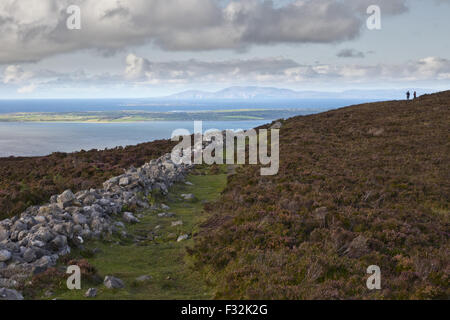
<point>145,116</point>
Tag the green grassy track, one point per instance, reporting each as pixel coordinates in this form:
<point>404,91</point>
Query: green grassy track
<point>164,259</point>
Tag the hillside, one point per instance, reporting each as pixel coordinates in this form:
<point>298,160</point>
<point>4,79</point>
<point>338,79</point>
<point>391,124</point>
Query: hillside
<point>26,181</point>
<point>363,185</point>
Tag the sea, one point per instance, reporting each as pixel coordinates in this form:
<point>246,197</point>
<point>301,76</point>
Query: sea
<point>43,138</point>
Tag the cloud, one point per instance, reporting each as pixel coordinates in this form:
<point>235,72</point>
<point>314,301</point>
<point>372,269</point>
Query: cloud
<point>32,30</point>
<point>276,69</point>
<point>15,74</point>
<point>143,73</point>
<point>350,53</point>
<point>27,89</point>
<point>142,70</point>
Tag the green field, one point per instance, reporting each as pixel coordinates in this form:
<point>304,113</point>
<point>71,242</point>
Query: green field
<point>139,116</point>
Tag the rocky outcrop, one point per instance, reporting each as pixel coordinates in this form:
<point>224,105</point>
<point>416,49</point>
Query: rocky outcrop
<point>33,241</point>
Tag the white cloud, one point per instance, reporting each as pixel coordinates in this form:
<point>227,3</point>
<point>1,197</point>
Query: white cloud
<point>275,70</point>
<point>142,72</point>
<point>15,74</point>
<point>32,30</point>
<point>27,89</point>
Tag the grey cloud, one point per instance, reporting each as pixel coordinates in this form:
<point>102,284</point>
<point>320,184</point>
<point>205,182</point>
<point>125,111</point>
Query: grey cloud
<point>141,72</point>
<point>141,69</point>
<point>274,70</point>
<point>33,30</point>
<point>350,53</point>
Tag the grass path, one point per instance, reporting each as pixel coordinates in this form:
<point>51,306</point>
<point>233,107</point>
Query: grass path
<point>163,259</point>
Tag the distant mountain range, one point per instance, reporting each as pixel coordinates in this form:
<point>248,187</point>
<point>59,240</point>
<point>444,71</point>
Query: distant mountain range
<point>271,93</point>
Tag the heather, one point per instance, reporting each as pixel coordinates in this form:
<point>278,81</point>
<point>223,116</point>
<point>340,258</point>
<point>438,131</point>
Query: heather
<point>31,181</point>
<point>359,186</point>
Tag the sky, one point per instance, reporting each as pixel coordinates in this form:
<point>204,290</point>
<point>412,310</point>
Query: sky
<point>151,48</point>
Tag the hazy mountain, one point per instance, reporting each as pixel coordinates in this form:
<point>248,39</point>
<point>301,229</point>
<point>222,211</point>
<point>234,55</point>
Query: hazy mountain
<point>271,93</point>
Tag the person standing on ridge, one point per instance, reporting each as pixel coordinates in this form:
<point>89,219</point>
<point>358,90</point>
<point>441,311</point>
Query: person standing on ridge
<point>415,95</point>
<point>408,94</point>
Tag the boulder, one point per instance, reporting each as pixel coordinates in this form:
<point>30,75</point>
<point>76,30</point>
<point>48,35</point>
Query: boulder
<point>123,182</point>
<point>188,197</point>
<point>177,223</point>
<point>65,199</point>
<point>79,219</point>
<point>91,293</point>
<point>10,294</point>
<point>29,255</point>
<point>130,218</point>
<point>59,242</point>
<point>113,283</point>
<point>182,237</point>
<point>5,255</point>
<point>4,234</point>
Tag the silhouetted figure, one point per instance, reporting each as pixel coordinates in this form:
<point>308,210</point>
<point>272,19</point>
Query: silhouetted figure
<point>408,94</point>
<point>415,95</point>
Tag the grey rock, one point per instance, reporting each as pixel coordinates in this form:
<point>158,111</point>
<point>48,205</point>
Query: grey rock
<point>177,223</point>
<point>182,237</point>
<point>164,206</point>
<point>143,278</point>
<point>44,234</point>
<point>79,219</point>
<point>49,293</point>
<point>8,283</point>
<point>124,181</point>
<point>59,242</point>
<point>5,255</point>
<point>188,196</point>
<point>130,218</point>
<point>10,294</point>
<point>54,198</point>
<point>19,226</point>
<point>166,214</point>
<point>65,199</point>
<point>40,219</point>
<point>4,234</point>
<point>113,283</point>
<point>119,224</point>
<point>91,293</point>
<point>29,255</point>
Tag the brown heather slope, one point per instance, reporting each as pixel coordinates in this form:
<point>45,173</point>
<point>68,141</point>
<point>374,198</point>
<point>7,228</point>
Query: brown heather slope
<point>360,186</point>
<point>31,181</point>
